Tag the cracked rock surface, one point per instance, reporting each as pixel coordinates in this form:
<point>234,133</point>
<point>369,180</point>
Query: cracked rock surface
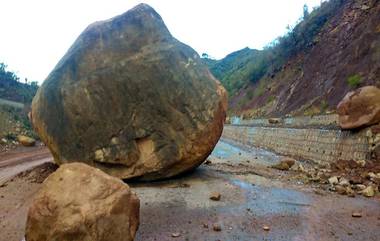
<point>130,99</point>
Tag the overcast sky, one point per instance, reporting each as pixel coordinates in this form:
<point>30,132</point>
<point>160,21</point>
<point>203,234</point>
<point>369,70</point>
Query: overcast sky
<point>36,34</point>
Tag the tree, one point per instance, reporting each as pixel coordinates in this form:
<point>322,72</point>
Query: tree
<point>305,11</point>
<point>205,56</point>
<point>7,76</point>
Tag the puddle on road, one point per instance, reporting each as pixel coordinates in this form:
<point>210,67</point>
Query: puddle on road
<point>263,197</point>
<point>230,151</point>
<point>271,200</point>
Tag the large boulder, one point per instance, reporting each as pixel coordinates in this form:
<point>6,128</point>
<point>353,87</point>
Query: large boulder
<point>82,203</point>
<point>360,108</point>
<point>130,99</point>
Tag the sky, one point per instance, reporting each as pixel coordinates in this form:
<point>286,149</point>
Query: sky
<point>36,34</point>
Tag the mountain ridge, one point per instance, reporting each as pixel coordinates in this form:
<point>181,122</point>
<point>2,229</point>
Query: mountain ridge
<point>337,48</point>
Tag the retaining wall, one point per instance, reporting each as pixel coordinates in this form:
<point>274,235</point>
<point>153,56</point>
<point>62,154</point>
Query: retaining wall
<point>328,121</point>
<point>316,144</point>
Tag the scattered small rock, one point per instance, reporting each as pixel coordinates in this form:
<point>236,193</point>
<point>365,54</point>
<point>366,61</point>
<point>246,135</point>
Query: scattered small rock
<point>215,196</point>
<point>361,163</point>
<point>356,180</point>
<point>340,190</point>
<point>266,228</point>
<point>356,214</point>
<point>344,182</point>
<point>371,175</point>
<point>216,227</point>
<point>184,185</point>
<point>333,180</point>
<point>283,166</point>
<point>274,120</point>
<point>350,192</point>
<point>364,7</point>
<point>26,140</point>
<point>205,225</point>
<point>208,162</point>
<point>288,160</point>
<point>368,191</point>
<point>360,187</point>
<point>176,235</point>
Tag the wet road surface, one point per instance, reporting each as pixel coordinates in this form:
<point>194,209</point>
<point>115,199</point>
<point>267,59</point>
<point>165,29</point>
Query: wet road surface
<point>251,197</point>
<point>248,203</point>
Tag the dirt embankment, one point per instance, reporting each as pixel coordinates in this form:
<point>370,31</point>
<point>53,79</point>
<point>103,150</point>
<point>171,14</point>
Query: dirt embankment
<point>345,55</point>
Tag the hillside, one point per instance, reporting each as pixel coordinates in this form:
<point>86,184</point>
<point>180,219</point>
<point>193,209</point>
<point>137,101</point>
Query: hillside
<point>15,99</point>
<point>235,68</point>
<point>336,48</point>
<point>13,90</point>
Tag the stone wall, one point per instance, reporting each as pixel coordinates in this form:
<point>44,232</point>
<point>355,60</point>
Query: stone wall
<point>301,121</point>
<point>316,144</point>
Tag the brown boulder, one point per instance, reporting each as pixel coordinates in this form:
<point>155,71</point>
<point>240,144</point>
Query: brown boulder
<point>132,100</point>
<point>274,120</point>
<point>82,203</point>
<point>26,140</point>
<point>360,108</point>
<point>288,160</point>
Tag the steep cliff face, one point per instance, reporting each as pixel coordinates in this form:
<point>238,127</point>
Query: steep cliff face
<point>344,55</point>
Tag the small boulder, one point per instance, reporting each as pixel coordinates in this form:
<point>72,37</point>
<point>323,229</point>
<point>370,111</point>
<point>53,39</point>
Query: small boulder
<point>288,160</point>
<point>360,187</point>
<point>333,180</point>
<point>283,166</point>
<point>215,196</point>
<point>266,228</point>
<point>82,203</point>
<point>344,182</point>
<point>341,190</point>
<point>216,227</point>
<point>368,191</point>
<point>274,120</point>
<point>360,108</point>
<point>26,140</point>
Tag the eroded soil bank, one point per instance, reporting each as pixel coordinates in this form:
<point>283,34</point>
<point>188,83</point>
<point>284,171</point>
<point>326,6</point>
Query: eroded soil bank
<point>252,196</point>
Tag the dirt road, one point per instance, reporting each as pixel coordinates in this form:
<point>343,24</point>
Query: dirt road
<point>21,159</point>
<point>252,196</point>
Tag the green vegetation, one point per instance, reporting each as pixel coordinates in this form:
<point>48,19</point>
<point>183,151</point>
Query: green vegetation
<point>15,99</point>
<point>324,106</point>
<point>354,80</point>
<point>13,90</point>
<point>271,99</point>
<point>13,121</point>
<point>240,68</point>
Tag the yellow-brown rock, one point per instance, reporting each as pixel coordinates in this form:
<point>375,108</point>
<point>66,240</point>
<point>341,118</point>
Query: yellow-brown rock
<point>360,108</point>
<point>82,203</point>
<point>26,140</point>
<point>132,100</point>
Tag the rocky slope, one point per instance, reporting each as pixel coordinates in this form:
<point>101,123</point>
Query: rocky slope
<point>343,55</point>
